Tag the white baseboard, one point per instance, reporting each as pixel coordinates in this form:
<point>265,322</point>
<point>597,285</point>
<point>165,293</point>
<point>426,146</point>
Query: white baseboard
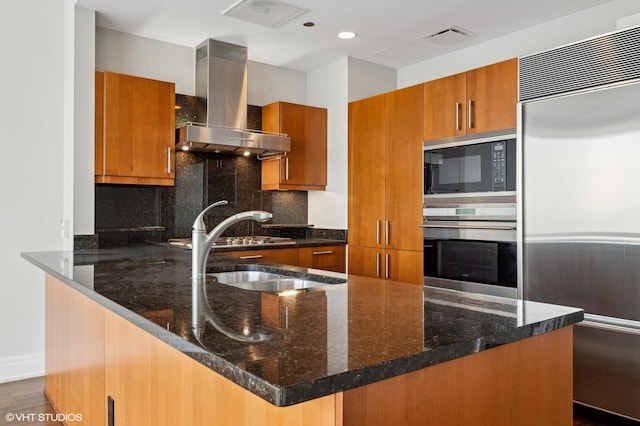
<point>21,367</point>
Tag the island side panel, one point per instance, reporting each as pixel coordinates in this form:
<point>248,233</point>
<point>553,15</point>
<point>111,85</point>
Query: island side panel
<point>74,344</point>
<point>529,382</point>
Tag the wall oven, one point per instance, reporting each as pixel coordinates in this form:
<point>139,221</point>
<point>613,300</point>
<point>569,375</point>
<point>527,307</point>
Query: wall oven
<point>469,217</point>
<point>471,247</point>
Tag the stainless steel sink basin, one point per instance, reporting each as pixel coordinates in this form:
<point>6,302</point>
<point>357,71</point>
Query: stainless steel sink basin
<point>233,277</point>
<point>267,281</point>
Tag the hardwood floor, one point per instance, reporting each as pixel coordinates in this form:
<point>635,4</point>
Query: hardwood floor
<point>25,401</point>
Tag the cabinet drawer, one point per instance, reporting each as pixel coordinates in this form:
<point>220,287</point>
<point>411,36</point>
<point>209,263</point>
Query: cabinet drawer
<point>323,257</point>
<point>287,256</point>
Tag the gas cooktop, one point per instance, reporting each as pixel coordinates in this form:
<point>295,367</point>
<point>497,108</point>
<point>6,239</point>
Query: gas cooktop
<point>252,240</point>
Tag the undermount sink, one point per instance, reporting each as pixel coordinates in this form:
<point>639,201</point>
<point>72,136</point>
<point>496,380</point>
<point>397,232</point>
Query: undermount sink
<point>268,281</point>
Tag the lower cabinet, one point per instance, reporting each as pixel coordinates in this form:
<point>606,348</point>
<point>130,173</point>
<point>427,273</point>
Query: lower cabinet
<point>109,371</point>
<point>329,258</point>
<point>396,265</point>
<point>286,256</point>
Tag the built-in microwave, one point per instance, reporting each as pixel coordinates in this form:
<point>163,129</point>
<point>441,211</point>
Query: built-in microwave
<point>470,167</point>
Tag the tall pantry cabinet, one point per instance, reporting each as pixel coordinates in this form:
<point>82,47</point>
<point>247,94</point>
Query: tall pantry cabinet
<point>385,185</point>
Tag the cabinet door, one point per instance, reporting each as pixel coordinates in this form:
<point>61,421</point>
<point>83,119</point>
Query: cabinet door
<point>366,261</point>
<point>366,171</point>
<point>492,93</point>
<point>75,353</point>
<point>445,107</point>
<point>305,167</point>
<point>403,265</point>
<point>138,130</point>
<point>403,169</point>
<point>287,256</point>
<point>330,258</point>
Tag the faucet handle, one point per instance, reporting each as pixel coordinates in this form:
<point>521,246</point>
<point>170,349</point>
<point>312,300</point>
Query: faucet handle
<point>198,224</point>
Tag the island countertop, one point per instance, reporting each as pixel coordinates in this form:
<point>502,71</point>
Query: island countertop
<point>322,341</point>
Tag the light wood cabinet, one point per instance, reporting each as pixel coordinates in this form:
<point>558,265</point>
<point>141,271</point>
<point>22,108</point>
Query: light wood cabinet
<point>75,351</point>
<point>385,185</point>
<point>329,257</point>
<point>476,101</point>
<point>135,130</point>
<point>286,256</point>
<point>305,167</point>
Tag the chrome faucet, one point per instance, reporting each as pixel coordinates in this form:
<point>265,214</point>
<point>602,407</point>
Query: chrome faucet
<point>202,242</point>
<point>201,247</point>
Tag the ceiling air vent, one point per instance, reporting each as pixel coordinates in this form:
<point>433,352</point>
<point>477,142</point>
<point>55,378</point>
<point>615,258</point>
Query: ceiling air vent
<point>448,36</point>
<point>270,13</point>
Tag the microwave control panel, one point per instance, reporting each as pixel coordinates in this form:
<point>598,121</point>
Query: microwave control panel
<point>498,163</point>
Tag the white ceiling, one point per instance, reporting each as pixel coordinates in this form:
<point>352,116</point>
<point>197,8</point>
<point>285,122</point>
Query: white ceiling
<point>389,32</point>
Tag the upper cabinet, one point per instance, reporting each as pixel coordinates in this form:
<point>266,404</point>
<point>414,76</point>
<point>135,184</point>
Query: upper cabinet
<point>305,167</point>
<point>477,101</point>
<point>135,130</point>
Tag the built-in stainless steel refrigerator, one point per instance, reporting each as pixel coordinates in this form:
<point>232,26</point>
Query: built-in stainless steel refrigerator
<point>579,194</point>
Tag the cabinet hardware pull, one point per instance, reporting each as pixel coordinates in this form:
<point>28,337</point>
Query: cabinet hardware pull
<point>377,264</point>
<point>111,415</point>
<point>387,227</point>
<point>322,252</point>
<point>286,168</point>
<point>257,256</point>
<point>470,115</point>
<point>457,115</point>
<point>169,160</point>
<point>377,232</point>
<point>386,266</point>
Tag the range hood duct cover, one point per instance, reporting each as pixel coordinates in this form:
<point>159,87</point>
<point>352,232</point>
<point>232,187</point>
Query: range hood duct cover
<point>221,89</point>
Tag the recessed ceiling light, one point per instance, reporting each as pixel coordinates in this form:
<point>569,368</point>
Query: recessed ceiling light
<point>346,35</point>
<point>309,24</point>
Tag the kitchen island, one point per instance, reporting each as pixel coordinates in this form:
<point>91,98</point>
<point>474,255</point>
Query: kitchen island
<point>121,345</point>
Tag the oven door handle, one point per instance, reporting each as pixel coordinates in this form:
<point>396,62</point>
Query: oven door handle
<point>452,226</point>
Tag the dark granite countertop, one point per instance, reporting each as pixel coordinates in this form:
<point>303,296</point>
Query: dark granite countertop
<point>322,341</point>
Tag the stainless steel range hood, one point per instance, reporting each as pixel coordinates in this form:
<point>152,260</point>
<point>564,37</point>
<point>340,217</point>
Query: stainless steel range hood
<point>221,89</point>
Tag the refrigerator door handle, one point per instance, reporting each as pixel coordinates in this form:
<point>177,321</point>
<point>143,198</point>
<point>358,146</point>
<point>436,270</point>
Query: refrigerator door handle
<point>612,324</point>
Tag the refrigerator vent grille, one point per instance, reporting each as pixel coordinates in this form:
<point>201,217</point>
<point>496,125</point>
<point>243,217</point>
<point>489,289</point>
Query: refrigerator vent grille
<point>606,59</point>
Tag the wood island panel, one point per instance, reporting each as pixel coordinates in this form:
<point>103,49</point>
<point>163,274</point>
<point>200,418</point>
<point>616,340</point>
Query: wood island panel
<point>529,382</point>
<point>74,344</point>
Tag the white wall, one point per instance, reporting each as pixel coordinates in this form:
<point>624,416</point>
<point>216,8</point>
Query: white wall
<point>83,124</point>
<point>367,79</point>
<point>333,86</point>
<point>571,28</point>
<point>327,87</point>
<point>144,57</point>
<point>268,84</point>
<point>130,54</point>
<point>32,42</point>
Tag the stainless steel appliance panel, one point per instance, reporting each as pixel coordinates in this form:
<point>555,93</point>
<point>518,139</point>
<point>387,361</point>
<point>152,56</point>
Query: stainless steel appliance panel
<point>581,229</point>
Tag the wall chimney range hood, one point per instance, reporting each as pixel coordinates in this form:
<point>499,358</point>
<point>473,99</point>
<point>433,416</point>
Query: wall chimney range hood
<point>221,90</point>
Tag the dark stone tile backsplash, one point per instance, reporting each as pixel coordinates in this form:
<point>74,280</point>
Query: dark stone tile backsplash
<point>128,214</point>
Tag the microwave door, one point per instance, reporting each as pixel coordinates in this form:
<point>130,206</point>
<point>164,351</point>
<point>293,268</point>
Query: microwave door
<point>475,168</point>
<point>442,171</point>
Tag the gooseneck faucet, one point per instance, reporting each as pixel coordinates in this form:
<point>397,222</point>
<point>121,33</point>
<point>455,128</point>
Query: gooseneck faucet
<point>201,247</point>
<point>202,242</point>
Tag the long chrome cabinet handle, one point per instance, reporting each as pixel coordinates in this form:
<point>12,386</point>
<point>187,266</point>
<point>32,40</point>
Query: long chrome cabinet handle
<point>386,266</point>
<point>257,256</point>
<point>470,115</point>
<point>377,264</point>
<point>317,253</point>
<point>286,168</point>
<point>377,232</point>
<point>457,115</point>
<point>169,160</point>
<point>387,227</point>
